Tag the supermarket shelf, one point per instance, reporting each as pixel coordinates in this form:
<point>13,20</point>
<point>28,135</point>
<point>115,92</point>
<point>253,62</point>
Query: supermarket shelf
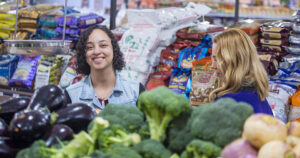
<point>224,15</point>
<point>37,47</point>
<point>15,92</point>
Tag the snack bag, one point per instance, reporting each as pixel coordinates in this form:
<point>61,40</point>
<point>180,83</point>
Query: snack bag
<point>8,65</point>
<point>295,107</point>
<point>157,79</point>
<point>25,72</point>
<point>278,99</point>
<point>204,81</point>
<point>269,61</point>
<point>180,81</point>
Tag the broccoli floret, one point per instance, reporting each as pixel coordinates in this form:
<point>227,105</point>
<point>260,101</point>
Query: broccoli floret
<point>160,106</point>
<point>151,148</point>
<point>78,147</point>
<point>144,131</point>
<point>33,151</point>
<point>129,117</point>
<point>219,122</point>
<point>117,135</point>
<point>98,154</point>
<point>98,125</point>
<point>201,149</point>
<point>121,151</point>
<point>179,133</point>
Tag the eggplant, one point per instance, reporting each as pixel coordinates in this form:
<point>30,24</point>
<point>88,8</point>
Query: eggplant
<point>58,131</point>
<point>49,96</point>
<point>27,126</point>
<point>77,116</point>
<point>3,128</point>
<point>9,107</point>
<point>7,151</point>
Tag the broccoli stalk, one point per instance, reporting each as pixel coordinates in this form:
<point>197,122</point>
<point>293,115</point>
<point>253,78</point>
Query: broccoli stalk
<point>117,135</point>
<point>78,147</point>
<point>160,106</point>
<point>82,144</point>
<point>98,124</point>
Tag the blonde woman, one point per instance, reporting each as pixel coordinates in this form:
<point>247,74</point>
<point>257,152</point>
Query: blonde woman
<point>242,75</point>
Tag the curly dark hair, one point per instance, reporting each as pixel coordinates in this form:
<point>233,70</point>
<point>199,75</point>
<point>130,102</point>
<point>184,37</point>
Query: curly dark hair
<point>82,66</point>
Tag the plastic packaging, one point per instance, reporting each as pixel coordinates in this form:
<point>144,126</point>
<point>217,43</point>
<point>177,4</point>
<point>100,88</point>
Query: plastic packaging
<point>25,72</point>
<point>204,81</point>
<point>180,81</point>
<point>8,65</point>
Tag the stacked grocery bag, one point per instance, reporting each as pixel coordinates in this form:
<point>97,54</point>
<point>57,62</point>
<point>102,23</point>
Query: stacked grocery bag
<point>288,76</point>
<point>274,40</point>
<point>150,32</point>
<point>76,23</point>
<point>251,27</point>
<point>47,23</point>
<point>28,20</point>
<point>278,52</point>
<point>183,64</point>
<point>7,24</point>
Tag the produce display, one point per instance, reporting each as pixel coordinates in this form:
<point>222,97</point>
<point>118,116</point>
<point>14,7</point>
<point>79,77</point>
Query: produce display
<point>265,137</point>
<point>162,125</point>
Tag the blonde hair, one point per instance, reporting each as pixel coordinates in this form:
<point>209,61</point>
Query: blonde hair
<point>239,65</point>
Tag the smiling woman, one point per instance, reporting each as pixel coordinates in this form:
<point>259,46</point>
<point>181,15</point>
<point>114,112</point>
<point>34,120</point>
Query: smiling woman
<point>99,58</point>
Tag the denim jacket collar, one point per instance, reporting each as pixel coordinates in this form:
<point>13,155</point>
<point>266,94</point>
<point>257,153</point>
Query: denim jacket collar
<point>88,90</point>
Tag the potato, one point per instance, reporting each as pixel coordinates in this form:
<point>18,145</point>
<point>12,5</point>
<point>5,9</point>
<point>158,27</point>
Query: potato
<point>260,129</point>
<point>294,128</point>
<point>275,149</point>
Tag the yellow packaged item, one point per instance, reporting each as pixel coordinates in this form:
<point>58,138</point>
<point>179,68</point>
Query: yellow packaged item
<point>4,35</point>
<point>8,22</point>
<point>31,30</point>
<point>7,17</point>
<point>5,26</point>
<point>32,13</point>
<point>27,21</point>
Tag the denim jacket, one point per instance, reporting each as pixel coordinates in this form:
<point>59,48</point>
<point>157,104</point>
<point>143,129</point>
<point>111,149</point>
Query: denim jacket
<point>125,92</point>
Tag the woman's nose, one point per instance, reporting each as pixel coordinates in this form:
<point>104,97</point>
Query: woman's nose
<point>97,50</point>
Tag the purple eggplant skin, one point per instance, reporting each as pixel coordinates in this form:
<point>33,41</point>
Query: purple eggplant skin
<point>49,96</point>
<point>9,107</point>
<point>6,150</point>
<point>3,128</point>
<point>77,116</point>
<point>27,126</point>
<point>58,131</point>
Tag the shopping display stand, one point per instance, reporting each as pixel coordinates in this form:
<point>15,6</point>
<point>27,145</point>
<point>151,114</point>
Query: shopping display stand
<point>32,47</point>
<point>37,47</point>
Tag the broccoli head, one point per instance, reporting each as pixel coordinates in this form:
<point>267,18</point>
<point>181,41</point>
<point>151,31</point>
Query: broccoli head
<point>179,134</point>
<point>98,154</point>
<point>219,122</point>
<point>117,135</point>
<point>121,151</point>
<point>160,106</point>
<point>151,148</point>
<point>33,151</point>
<point>201,149</point>
<point>127,116</point>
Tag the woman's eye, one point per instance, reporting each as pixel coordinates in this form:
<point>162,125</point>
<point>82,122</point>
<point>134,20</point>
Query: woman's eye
<point>89,48</point>
<point>103,45</point>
